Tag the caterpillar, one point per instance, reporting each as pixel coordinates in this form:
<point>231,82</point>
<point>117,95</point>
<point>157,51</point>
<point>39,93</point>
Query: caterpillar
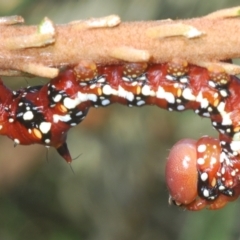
<point>44,114</point>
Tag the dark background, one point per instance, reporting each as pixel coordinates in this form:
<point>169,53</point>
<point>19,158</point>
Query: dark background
<point>118,190</point>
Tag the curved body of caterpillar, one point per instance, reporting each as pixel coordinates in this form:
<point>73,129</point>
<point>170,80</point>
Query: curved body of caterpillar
<point>177,86</point>
<point>44,114</point>
<point>213,186</point>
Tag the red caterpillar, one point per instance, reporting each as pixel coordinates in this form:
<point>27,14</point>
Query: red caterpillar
<point>44,114</point>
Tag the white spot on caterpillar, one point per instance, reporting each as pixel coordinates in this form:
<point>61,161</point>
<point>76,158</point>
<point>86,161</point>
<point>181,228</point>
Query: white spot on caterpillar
<point>92,86</point>
<point>114,92</point>
<point>79,113</point>
<point>140,103</point>
<point>146,90</point>
<point>64,118</point>
<point>107,90</point>
<point>228,130</point>
<point>203,101</point>
<point>45,127</point>
<point>226,118</point>
<point>170,77</point>
<point>224,93</point>
<point>130,96</point>
<point>201,148</point>
<point>235,146</point>
<point>205,193</point>
<point>176,85</point>
<point>28,115</point>
<point>101,80</point>
<point>16,141</point>
<point>200,161</point>
<point>209,109</point>
<point>126,79</point>
<point>187,94</point>
<point>199,97</point>
<point>83,97</point>
<point>213,160</point>
<point>221,107</point>
<point>57,98</point>
<point>233,173</point>
<point>92,97</point>
<point>121,92</point>
<point>204,176</point>
<point>169,97</point>
<point>160,92</point>
<point>236,136</point>
<point>221,188</point>
<point>105,102</point>
<point>180,107</point>
<point>134,83</point>
<point>70,103</point>
<point>142,78</point>
<point>206,114</point>
<point>222,157</point>
<point>197,111</point>
<point>125,94</point>
<point>211,84</point>
<point>183,79</point>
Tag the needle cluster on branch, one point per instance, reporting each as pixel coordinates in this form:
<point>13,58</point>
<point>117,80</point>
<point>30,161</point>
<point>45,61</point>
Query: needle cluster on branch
<point>41,50</point>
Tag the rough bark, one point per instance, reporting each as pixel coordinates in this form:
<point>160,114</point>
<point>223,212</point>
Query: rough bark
<point>41,50</point>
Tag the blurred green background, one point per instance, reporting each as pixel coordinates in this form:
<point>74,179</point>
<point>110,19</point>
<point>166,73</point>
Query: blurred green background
<point>117,190</point>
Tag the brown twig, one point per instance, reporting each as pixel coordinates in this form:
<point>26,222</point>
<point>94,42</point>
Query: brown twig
<point>41,50</point>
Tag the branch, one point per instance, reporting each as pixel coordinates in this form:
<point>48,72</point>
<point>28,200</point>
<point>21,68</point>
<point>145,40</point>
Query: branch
<point>41,50</point>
